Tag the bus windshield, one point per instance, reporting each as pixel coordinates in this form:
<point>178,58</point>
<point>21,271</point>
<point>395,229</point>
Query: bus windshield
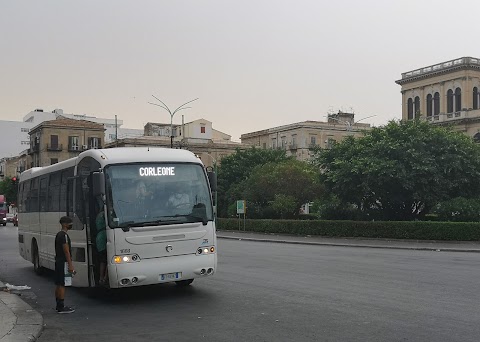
<point>156,194</point>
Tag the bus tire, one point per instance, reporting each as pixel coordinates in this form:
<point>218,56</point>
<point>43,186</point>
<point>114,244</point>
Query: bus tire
<point>36,259</point>
<point>183,283</point>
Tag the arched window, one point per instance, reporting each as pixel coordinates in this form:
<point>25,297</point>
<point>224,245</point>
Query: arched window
<point>458,99</point>
<point>476,138</point>
<point>450,101</point>
<point>410,109</point>
<point>429,105</point>
<point>436,103</point>
<point>475,98</point>
<point>417,107</point>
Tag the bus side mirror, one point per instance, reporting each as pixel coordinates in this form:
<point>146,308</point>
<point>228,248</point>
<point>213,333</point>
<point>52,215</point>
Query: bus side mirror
<point>212,179</point>
<point>98,183</point>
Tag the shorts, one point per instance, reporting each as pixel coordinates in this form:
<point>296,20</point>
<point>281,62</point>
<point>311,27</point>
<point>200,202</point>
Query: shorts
<point>59,273</point>
<point>102,256</point>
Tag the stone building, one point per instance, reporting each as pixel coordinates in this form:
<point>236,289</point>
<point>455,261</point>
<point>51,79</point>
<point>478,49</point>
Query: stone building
<point>12,166</point>
<point>61,139</point>
<point>447,93</point>
<point>299,139</point>
<point>197,136</point>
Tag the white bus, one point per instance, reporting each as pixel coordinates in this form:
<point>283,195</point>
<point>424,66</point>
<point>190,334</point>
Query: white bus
<point>151,240</point>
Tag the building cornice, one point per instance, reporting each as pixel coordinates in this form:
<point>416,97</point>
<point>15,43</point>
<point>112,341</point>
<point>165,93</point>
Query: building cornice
<point>464,63</point>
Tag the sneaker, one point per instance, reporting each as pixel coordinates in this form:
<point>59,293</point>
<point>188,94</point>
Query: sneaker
<point>65,310</point>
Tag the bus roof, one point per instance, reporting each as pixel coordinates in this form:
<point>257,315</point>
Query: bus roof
<point>119,155</point>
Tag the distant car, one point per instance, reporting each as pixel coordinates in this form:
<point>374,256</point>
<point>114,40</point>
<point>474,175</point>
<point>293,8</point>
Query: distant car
<point>4,221</point>
<point>10,217</point>
<point>15,220</point>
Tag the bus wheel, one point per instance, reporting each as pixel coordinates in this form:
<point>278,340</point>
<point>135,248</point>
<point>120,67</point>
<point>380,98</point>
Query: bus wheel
<point>36,260</point>
<point>183,283</point>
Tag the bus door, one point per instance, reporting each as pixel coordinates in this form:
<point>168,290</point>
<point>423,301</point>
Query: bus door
<point>83,232</point>
<point>79,234</point>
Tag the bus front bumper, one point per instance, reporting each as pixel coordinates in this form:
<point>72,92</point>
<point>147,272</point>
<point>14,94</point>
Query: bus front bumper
<point>162,270</point>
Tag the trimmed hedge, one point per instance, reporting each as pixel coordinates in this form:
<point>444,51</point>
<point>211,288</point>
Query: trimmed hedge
<point>417,230</point>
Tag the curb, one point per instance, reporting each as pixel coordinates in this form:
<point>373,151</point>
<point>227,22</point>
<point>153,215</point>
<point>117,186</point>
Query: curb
<point>20,322</point>
<point>315,243</point>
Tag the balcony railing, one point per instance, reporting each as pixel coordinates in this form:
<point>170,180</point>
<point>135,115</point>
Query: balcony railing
<point>292,146</point>
<point>74,148</point>
<point>94,147</point>
<point>54,147</point>
<point>442,66</point>
<point>34,149</point>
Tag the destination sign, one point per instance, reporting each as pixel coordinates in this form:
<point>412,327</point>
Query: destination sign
<point>156,171</point>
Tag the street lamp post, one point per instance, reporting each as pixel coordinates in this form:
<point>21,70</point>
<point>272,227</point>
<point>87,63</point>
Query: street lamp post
<point>164,106</point>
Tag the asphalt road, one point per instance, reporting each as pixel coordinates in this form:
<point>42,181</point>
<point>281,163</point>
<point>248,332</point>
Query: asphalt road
<point>275,292</point>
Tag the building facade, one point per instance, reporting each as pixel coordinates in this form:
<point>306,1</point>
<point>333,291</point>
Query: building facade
<point>61,139</point>
<point>14,137</point>
<point>301,138</point>
<point>12,166</point>
<point>198,136</point>
<point>447,93</point>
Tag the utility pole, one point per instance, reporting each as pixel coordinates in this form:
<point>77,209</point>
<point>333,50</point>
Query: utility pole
<point>164,106</point>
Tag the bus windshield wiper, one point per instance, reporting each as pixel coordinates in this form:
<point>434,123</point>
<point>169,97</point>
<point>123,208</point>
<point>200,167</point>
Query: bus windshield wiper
<point>197,218</point>
<point>127,225</point>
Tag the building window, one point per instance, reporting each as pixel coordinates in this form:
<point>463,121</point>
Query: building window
<point>458,99</point>
<point>24,130</point>
<point>417,107</point>
<point>54,141</point>
<point>450,101</point>
<point>294,140</point>
<point>429,105</point>
<point>73,144</point>
<point>476,138</point>
<point>313,140</point>
<point>112,136</point>
<point>94,142</point>
<point>284,142</point>
<point>202,129</point>
<point>330,142</point>
<point>436,103</point>
<point>274,143</point>
<point>475,98</point>
<point>264,146</point>
<point>53,161</point>
<point>410,109</point>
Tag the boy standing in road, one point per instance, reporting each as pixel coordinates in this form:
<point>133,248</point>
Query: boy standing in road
<point>63,257</point>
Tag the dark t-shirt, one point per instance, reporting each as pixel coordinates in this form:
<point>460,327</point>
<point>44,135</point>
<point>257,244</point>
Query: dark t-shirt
<point>62,238</point>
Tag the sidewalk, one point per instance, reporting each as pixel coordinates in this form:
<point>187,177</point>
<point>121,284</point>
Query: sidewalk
<point>422,245</point>
<point>18,321</point>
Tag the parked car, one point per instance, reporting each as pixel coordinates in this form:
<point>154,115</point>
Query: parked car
<point>3,221</point>
<point>15,220</point>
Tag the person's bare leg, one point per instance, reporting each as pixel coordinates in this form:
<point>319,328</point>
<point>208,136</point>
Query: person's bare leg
<point>103,269</point>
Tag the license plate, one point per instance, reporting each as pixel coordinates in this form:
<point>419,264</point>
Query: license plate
<point>170,276</point>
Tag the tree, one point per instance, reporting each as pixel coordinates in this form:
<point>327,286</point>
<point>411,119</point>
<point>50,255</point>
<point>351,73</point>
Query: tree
<point>400,171</point>
<point>8,187</point>
<point>280,189</point>
<point>236,168</point>
<point>458,209</point>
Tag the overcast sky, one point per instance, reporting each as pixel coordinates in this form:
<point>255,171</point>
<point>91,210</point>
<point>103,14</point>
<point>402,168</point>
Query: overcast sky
<point>252,64</point>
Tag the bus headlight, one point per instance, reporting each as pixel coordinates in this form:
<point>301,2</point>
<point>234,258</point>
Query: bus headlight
<point>123,259</point>
<point>205,250</point>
